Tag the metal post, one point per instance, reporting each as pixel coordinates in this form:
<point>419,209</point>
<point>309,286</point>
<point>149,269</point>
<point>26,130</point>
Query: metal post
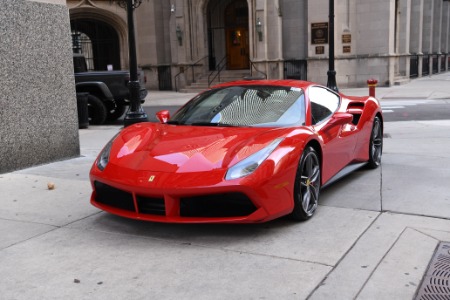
<point>135,114</point>
<point>372,84</point>
<point>331,83</point>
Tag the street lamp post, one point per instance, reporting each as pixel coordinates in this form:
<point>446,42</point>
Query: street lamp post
<point>136,113</point>
<point>331,83</point>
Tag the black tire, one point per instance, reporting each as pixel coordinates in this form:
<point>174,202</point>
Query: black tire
<point>116,113</point>
<point>96,110</point>
<point>307,185</point>
<point>376,144</point>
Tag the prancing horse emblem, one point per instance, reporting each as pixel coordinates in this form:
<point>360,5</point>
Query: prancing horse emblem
<point>151,178</point>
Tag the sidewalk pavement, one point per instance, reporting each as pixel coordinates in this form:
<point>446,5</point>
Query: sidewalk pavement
<point>372,238</point>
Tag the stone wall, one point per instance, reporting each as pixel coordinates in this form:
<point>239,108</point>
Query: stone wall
<point>38,110</point>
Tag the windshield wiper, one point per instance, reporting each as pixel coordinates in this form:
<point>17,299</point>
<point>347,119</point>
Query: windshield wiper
<point>173,122</point>
<point>210,124</point>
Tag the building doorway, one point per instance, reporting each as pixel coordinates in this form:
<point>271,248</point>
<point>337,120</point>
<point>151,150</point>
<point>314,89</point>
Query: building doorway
<point>228,34</point>
<point>236,33</point>
<point>97,41</point>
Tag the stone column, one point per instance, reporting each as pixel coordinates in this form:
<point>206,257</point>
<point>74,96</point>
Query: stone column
<point>38,105</point>
<point>274,39</point>
<point>427,37</point>
<point>416,31</point>
<point>317,60</point>
<point>437,29</point>
<point>260,40</point>
<point>403,37</point>
<point>445,32</point>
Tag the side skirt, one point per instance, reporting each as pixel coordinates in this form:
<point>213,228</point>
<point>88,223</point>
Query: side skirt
<point>344,172</point>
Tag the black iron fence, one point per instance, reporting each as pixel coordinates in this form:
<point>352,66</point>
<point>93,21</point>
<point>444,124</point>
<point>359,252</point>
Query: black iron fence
<point>425,65</point>
<point>431,64</point>
<point>295,69</point>
<point>164,78</point>
<point>435,63</point>
<point>414,66</point>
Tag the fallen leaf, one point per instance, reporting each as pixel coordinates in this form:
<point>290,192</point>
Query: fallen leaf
<point>51,186</point>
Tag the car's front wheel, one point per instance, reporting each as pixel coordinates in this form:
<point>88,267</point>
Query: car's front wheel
<point>307,185</point>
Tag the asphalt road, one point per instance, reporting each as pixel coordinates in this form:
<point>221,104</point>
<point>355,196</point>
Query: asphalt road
<point>415,110</point>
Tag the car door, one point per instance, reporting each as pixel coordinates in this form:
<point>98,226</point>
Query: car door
<point>338,140</point>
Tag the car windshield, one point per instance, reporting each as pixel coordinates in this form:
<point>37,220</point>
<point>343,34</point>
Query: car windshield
<point>252,106</point>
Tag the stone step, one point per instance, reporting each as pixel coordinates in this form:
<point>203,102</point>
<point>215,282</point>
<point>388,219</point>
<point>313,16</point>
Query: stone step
<point>201,83</point>
<point>401,81</point>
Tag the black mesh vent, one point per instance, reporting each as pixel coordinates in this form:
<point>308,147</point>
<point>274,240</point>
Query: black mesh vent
<point>113,197</point>
<point>152,206</point>
<point>356,109</point>
<point>219,205</point>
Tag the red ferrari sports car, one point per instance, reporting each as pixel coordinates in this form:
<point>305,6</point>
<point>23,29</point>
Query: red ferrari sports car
<point>245,151</point>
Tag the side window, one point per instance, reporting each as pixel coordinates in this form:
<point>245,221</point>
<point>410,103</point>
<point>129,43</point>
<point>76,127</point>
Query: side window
<point>323,103</point>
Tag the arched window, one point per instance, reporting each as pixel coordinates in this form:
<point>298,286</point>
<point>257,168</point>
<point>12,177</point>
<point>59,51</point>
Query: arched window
<point>97,41</point>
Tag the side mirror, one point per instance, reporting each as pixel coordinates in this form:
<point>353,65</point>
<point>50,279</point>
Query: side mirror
<point>341,119</point>
<point>338,119</point>
<point>163,116</point>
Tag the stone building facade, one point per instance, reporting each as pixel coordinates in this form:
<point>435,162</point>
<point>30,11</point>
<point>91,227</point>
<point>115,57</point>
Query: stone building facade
<point>38,106</point>
<point>181,41</point>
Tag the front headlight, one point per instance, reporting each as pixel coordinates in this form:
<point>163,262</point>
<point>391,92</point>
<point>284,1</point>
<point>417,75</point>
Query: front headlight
<point>103,158</point>
<point>249,165</point>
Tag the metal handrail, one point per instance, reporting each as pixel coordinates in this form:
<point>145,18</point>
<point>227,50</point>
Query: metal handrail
<point>218,70</point>
<point>191,66</point>
<point>252,65</point>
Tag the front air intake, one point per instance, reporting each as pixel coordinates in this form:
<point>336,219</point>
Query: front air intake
<point>219,205</point>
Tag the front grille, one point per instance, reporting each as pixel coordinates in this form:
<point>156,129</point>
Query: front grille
<point>152,206</point>
<point>113,197</point>
<point>218,205</point>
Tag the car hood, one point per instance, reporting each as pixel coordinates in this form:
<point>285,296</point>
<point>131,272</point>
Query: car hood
<point>176,148</point>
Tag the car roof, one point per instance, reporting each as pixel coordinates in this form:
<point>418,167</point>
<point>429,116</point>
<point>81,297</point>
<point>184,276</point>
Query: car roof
<point>289,83</point>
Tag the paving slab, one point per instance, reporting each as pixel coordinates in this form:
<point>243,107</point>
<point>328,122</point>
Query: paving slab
<point>400,272</point>
<point>419,190</point>
<point>365,187</point>
<point>368,256</point>
<point>13,232</point>
<point>416,171</point>
<point>74,264</point>
<point>27,198</point>
<point>72,169</point>
<point>331,233</point>
<point>94,138</point>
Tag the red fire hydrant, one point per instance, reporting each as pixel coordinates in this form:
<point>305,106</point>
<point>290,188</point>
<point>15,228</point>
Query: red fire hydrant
<point>372,83</point>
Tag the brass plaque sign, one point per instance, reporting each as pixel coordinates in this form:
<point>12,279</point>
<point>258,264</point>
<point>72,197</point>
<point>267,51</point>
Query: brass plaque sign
<point>320,49</point>
<point>319,33</point>
<point>346,38</point>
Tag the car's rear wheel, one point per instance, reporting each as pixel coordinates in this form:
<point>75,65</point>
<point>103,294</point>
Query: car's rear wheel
<point>376,144</point>
<point>307,185</point>
<point>96,110</point>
